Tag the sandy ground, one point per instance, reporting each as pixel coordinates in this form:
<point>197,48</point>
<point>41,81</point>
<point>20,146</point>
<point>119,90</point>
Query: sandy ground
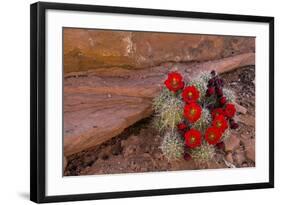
<point>137,148</point>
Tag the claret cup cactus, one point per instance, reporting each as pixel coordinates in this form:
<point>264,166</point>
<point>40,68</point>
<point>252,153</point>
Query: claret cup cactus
<point>194,117</point>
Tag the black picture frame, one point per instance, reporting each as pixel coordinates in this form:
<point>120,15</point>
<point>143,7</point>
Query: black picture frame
<point>38,101</point>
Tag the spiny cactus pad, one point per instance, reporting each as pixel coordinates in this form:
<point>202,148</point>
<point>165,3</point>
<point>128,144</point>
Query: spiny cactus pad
<point>203,154</point>
<point>172,146</point>
<point>168,110</point>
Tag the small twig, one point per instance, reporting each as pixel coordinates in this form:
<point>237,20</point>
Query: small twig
<point>228,164</point>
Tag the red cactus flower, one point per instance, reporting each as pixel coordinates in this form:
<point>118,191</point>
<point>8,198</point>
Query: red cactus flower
<point>220,145</point>
<point>211,82</point>
<point>233,125</point>
<point>187,156</point>
<point>192,138</point>
<point>210,107</point>
<point>210,91</point>
<point>182,126</point>
<point>229,110</point>
<point>192,112</point>
<point>216,112</point>
<point>221,82</point>
<point>174,82</point>
<point>213,135</point>
<point>219,91</point>
<point>223,100</point>
<point>220,123</point>
<point>190,94</point>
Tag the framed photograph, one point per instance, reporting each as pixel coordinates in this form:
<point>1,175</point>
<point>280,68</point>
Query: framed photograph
<point>129,102</point>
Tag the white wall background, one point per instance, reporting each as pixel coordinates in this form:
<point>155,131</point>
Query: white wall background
<point>14,99</point>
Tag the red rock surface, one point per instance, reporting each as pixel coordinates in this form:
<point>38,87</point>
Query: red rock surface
<point>90,49</point>
<point>127,153</point>
<point>64,163</point>
<point>232,143</point>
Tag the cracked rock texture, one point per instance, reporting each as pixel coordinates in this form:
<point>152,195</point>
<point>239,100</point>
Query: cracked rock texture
<point>90,49</point>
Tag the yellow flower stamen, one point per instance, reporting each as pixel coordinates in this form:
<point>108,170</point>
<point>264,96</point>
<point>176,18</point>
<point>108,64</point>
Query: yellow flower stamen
<point>192,111</point>
<point>212,136</point>
<point>192,139</point>
<point>174,82</point>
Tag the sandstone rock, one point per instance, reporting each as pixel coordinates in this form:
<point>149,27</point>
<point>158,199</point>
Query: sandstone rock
<point>247,139</point>
<point>216,165</point>
<point>116,149</point>
<point>130,150</point>
<point>136,163</point>
<point>250,149</point>
<point>105,153</point>
<point>247,120</point>
<point>100,104</point>
<point>227,64</point>
<point>245,164</point>
<point>64,163</point>
<point>141,163</point>
<point>106,166</point>
<point>229,158</point>
<point>239,157</point>
<point>240,108</point>
<point>132,140</point>
<point>183,165</point>
<point>85,128</point>
<point>231,143</point>
<point>86,49</point>
<point>250,153</point>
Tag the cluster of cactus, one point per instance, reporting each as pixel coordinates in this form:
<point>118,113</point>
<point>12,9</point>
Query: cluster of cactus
<point>229,94</point>
<point>203,154</point>
<point>168,110</point>
<point>201,83</point>
<point>186,116</point>
<point>172,146</point>
<point>203,121</point>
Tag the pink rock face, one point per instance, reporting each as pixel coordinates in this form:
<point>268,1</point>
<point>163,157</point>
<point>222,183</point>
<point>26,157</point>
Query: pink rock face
<point>94,124</point>
<point>229,158</point>
<point>100,104</point>
<point>250,149</point>
<point>64,163</point>
<point>250,153</point>
<point>232,143</point>
<point>240,109</point>
<point>90,49</point>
